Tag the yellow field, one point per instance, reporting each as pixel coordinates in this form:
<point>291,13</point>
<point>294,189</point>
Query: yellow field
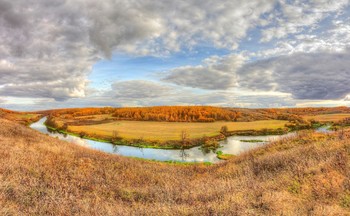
<point>94,117</point>
<point>329,117</point>
<point>163,131</point>
<point>21,116</point>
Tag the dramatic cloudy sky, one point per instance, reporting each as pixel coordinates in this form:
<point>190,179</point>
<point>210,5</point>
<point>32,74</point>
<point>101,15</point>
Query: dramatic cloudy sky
<point>257,53</point>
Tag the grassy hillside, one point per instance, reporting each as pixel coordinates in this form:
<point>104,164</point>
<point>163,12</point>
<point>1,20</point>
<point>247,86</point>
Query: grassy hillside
<point>40,175</point>
<point>329,117</point>
<point>20,117</point>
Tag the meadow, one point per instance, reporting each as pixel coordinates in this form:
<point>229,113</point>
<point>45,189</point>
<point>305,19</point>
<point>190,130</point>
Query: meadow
<point>163,131</point>
<point>328,117</point>
<point>303,175</point>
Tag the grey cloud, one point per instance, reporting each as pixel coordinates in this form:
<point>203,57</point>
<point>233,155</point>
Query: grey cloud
<point>305,75</point>
<point>262,101</point>
<point>139,89</point>
<point>61,80</point>
<point>9,17</point>
<point>232,99</point>
<point>216,73</point>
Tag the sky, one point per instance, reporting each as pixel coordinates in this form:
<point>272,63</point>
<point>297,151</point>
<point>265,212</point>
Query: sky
<point>232,53</point>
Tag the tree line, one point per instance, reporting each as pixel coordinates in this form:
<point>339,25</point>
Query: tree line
<point>177,114</point>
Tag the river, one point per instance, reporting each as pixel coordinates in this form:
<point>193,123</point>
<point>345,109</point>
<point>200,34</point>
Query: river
<point>232,145</point>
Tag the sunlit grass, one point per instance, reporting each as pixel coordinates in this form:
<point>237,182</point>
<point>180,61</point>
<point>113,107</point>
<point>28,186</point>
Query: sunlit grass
<point>329,117</point>
<point>302,175</point>
<point>163,131</point>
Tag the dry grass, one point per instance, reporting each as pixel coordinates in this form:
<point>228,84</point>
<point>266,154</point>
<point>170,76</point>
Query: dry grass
<point>20,117</point>
<point>163,131</point>
<point>40,175</point>
<point>329,117</point>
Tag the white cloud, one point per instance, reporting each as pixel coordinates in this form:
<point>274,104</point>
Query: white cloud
<point>335,38</point>
<point>295,16</point>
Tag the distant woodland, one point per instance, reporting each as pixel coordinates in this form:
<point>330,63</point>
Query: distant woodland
<point>195,113</point>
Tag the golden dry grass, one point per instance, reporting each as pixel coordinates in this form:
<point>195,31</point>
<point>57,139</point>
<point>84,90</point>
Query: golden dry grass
<point>21,117</point>
<point>163,131</point>
<point>329,117</point>
<point>25,115</point>
<point>40,175</point>
<point>94,117</point>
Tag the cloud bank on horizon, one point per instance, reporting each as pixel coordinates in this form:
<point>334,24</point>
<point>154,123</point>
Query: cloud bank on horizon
<point>258,53</point>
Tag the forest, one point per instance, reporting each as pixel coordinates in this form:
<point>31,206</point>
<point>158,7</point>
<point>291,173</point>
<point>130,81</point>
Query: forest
<point>177,114</point>
<point>194,113</point>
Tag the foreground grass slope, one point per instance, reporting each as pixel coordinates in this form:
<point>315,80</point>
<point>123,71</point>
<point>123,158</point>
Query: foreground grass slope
<point>306,175</point>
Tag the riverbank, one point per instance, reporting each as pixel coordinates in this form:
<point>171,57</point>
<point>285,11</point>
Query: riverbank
<point>204,153</point>
<point>140,143</point>
<point>187,143</point>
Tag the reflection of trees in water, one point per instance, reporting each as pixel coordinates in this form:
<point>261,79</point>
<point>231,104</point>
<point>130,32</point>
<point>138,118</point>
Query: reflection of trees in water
<point>50,130</point>
<point>208,149</point>
<point>205,150</point>
<point>141,150</point>
<point>115,149</point>
<point>210,146</point>
<point>183,154</point>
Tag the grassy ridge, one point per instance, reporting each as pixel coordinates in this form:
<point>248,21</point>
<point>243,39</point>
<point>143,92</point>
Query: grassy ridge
<point>24,118</point>
<point>40,175</point>
<point>328,117</point>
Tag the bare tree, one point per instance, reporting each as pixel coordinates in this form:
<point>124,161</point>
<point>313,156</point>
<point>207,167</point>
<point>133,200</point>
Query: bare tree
<point>115,136</point>
<point>184,138</point>
<point>184,141</point>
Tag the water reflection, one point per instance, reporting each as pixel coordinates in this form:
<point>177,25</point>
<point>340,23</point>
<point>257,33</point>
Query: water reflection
<point>232,145</point>
<point>324,129</point>
<point>183,154</point>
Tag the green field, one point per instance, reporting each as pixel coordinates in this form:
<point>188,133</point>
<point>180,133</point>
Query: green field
<point>163,131</point>
<point>329,117</point>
